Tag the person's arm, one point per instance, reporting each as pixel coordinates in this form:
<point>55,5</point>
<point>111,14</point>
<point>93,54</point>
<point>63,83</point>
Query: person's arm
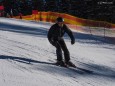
<point>49,35</point>
<point>69,32</point>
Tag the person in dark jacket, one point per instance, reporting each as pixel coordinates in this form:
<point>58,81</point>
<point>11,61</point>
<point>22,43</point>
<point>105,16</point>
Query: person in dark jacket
<point>55,37</point>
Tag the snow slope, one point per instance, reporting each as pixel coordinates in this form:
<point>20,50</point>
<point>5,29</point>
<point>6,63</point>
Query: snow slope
<point>26,57</point>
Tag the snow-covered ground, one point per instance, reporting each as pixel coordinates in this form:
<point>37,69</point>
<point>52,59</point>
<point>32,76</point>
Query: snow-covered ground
<point>26,57</point>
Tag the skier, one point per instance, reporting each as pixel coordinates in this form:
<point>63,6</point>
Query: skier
<point>55,37</point>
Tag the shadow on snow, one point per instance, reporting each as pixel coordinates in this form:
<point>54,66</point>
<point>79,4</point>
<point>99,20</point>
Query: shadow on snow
<point>40,31</point>
<point>48,67</point>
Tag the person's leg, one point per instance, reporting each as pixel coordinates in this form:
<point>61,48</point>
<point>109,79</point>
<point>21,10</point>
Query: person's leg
<point>66,53</point>
<point>65,50</point>
<point>58,52</point>
<point>59,55</point>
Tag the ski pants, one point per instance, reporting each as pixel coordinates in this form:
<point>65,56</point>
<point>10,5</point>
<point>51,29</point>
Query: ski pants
<point>61,46</point>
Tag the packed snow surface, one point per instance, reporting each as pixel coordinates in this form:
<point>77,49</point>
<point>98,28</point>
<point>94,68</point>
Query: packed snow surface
<point>26,57</point>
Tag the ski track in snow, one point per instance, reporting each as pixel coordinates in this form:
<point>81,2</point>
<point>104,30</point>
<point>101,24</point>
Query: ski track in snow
<point>26,57</point>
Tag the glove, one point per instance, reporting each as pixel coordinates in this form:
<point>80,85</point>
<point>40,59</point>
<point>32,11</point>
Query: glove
<point>72,42</point>
<point>52,42</point>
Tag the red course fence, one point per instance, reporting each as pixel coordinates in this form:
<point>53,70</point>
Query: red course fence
<point>99,28</point>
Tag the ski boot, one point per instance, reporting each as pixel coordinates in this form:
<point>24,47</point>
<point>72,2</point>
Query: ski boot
<point>69,63</point>
<point>61,63</point>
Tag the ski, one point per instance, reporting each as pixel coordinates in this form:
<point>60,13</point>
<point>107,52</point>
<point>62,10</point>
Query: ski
<point>83,70</point>
<point>76,69</point>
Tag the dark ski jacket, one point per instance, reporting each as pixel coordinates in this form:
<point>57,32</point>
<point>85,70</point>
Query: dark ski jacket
<point>56,32</point>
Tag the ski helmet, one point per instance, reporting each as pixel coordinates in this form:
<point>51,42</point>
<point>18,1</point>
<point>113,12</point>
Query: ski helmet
<point>60,19</point>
